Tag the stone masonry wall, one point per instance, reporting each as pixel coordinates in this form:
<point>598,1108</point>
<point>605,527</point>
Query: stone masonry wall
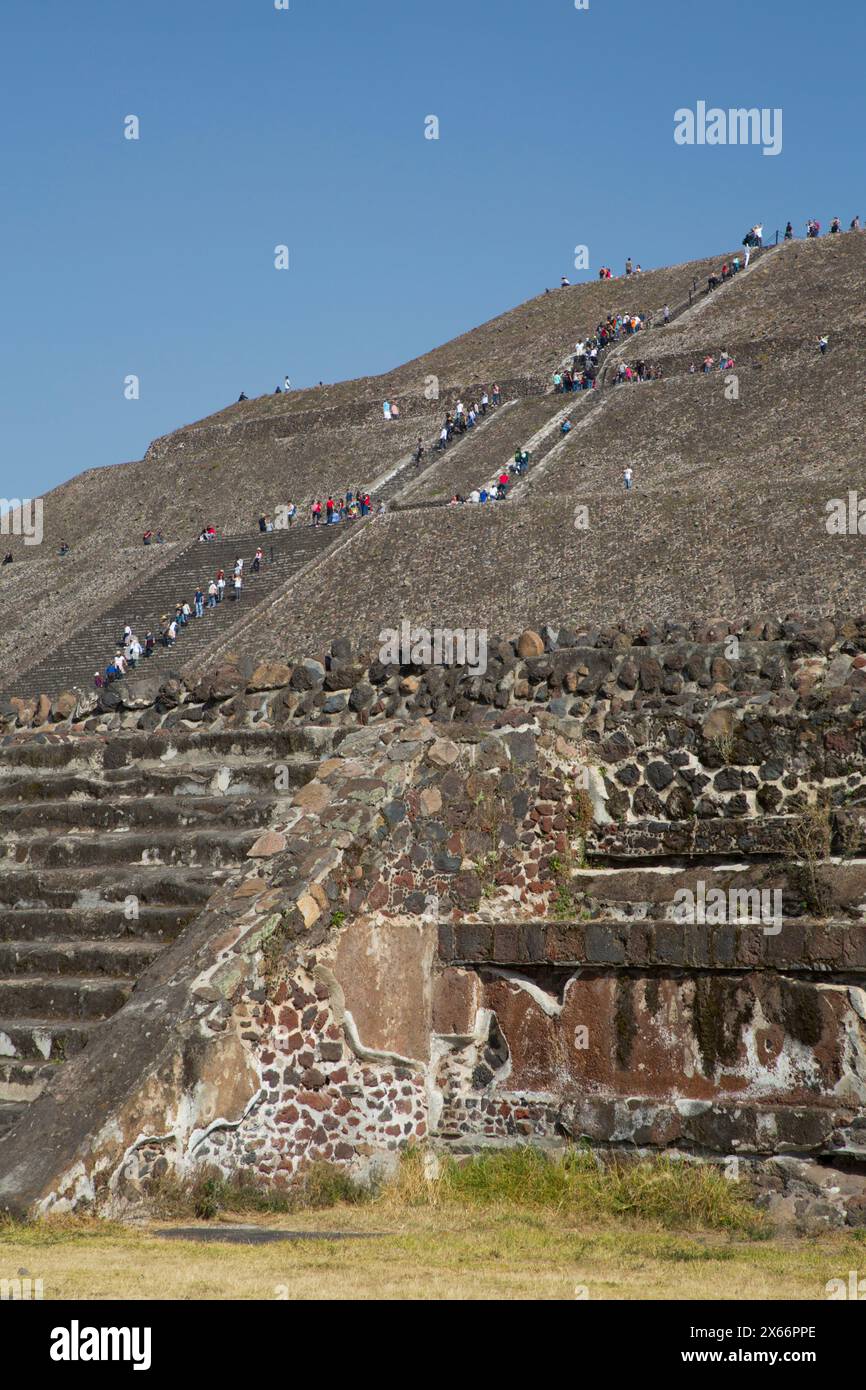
<point>463,931</point>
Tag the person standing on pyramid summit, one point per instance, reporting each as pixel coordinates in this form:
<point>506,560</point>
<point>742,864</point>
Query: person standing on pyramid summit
<point>287,385</point>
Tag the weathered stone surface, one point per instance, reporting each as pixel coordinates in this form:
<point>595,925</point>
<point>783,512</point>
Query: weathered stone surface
<point>530,645</point>
<point>267,845</point>
<point>269,675</point>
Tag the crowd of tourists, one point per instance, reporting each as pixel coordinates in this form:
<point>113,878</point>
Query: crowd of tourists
<point>461,419</point>
<point>729,270</point>
<point>333,510</point>
<point>813,228</point>
<point>130,649</point>
<point>498,488</point>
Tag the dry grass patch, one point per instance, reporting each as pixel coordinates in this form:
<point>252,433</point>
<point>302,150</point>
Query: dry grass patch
<point>508,1226</point>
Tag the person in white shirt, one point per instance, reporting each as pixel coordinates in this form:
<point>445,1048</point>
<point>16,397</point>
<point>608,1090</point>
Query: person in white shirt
<point>475,496</point>
<point>628,476</point>
<point>288,385</point>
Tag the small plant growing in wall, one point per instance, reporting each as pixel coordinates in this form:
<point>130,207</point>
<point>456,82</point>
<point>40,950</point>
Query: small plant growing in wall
<point>810,842</point>
<point>565,906</point>
<point>491,808</point>
<point>486,868</point>
<point>273,950</point>
<point>723,744</point>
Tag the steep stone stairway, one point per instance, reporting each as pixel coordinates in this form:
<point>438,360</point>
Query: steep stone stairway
<point>71,665</point>
<point>404,478</point>
<point>103,861</point>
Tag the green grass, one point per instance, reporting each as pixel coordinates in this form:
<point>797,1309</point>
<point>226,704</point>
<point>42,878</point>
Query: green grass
<point>661,1191</point>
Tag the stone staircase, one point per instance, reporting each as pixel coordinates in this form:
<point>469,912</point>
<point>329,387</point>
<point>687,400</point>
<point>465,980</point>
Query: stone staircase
<point>71,665</point>
<point>104,860</point>
<point>402,479</point>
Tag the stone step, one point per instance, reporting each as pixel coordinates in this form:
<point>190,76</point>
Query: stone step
<point>642,891</point>
<point>126,813</point>
<point>651,839</point>
<point>796,946</point>
<point>39,1039</point>
<point>183,747</point>
<point>196,848</point>
<point>98,886</point>
<point>23,1081</point>
<point>158,924</point>
<point>221,779</point>
<point>62,996</point>
<point>82,958</point>
<point>10,1111</point>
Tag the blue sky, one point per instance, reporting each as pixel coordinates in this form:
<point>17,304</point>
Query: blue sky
<point>305,127</point>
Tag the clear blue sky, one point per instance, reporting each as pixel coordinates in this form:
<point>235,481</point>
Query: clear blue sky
<point>306,127</point>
